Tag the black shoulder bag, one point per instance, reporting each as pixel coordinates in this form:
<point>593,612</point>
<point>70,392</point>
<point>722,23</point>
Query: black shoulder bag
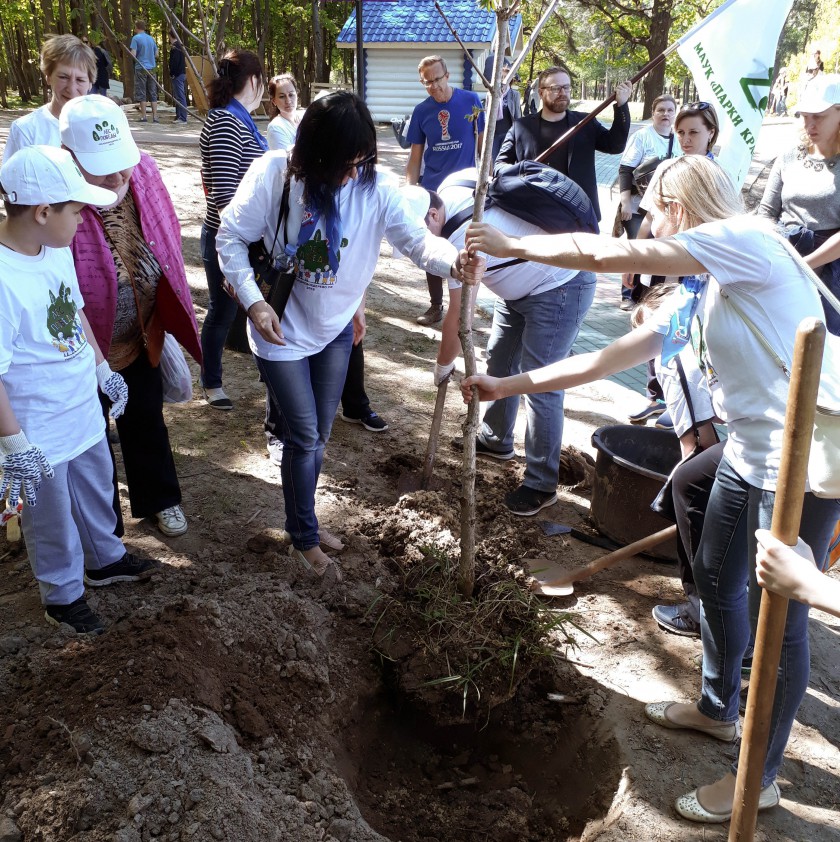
<point>663,504</point>
<point>274,283</point>
<point>643,173</point>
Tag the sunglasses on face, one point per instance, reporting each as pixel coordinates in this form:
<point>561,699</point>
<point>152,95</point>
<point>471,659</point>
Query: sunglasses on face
<point>696,106</point>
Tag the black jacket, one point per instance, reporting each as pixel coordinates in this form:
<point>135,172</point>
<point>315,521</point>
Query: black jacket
<point>522,143</point>
<point>177,62</point>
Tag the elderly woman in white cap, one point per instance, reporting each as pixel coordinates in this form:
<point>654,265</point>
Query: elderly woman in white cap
<point>131,272</point>
<point>801,193</point>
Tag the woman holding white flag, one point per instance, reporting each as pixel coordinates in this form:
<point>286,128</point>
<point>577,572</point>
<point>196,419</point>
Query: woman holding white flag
<point>741,269</point>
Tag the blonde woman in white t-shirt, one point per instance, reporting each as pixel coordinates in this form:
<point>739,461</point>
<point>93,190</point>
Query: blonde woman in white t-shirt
<point>697,216</point>
<point>69,68</point>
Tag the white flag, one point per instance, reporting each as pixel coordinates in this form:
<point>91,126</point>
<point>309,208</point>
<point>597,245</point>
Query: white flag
<point>730,55</point>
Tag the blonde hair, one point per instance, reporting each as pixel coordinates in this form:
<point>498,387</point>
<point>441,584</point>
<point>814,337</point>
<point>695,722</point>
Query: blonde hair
<point>805,141</point>
<point>700,186</point>
<point>430,60</point>
<point>67,49</point>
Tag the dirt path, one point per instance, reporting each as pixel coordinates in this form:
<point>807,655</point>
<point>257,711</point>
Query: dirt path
<point>232,699</point>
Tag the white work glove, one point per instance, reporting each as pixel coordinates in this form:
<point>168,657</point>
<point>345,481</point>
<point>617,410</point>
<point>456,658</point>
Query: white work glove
<point>23,466</point>
<point>112,385</point>
<point>442,372</point>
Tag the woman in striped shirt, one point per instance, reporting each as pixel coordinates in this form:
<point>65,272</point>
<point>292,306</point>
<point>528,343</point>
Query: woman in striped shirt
<point>229,142</point>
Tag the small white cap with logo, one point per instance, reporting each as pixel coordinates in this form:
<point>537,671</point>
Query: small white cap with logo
<point>46,175</point>
<point>95,129</point>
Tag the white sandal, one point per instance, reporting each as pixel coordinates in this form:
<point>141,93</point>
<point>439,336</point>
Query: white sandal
<point>689,806</point>
<point>657,712</point>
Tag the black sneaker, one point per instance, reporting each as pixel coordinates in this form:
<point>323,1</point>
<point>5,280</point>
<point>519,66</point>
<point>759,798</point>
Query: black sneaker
<point>129,568</point>
<point>77,614</point>
<point>676,619</point>
<point>526,501</point>
<point>371,422</point>
<point>481,449</point>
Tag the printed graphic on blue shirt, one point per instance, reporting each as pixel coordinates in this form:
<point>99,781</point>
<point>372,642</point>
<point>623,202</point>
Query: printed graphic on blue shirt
<point>64,324</point>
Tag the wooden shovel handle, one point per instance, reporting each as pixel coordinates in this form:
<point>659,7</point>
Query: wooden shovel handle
<point>434,434</point>
<point>612,558</point>
<point>787,513</point>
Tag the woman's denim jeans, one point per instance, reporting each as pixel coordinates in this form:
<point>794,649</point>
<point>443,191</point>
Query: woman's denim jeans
<point>306,392</point>
<point>724,571</point>
<point>529,333</point>
<point>220,312</point>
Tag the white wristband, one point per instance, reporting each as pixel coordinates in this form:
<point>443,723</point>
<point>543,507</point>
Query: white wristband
<point>18,443</point>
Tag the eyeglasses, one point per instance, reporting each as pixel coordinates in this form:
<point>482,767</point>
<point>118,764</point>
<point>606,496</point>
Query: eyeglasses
<point>555,89</point>
<point>359,164</point>
<point>696,106</point>
<point>428,83</point>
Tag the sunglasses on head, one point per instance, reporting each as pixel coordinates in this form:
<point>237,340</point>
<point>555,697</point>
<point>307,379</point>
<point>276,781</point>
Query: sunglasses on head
<point>696,106</point>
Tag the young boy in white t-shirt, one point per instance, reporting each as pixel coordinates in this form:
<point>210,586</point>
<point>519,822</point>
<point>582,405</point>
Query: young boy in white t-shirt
<point>50,366</point>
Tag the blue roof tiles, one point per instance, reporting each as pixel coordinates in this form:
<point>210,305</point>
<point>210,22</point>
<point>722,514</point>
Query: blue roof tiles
<point>417,22</point>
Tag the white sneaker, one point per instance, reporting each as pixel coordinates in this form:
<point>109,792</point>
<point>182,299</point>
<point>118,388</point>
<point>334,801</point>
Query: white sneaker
<point>172,521</point>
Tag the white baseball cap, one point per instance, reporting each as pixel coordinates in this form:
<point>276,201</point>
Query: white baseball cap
<point>46,175</point>
<point>820,94</point>
<point>95,129</point>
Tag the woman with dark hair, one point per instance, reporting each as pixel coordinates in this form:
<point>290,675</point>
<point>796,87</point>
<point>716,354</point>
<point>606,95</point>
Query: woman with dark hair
<point>282,108</point>
<point>229,142</point>
<point>340,207</point>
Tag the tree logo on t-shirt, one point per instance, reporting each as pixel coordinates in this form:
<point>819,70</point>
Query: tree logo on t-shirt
<point>105,132</point>
<point>443,119</point>
<point>64,324</point>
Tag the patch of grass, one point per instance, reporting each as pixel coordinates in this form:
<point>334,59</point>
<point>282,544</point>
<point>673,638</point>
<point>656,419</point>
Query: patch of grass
<point>475,651</point>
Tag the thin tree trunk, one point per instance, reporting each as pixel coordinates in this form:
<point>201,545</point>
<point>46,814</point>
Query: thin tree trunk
<point>49,18</point>
<point>318,42</point>
<point>466,569</point>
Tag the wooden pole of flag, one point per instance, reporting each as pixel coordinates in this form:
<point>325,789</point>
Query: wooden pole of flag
<point>787,513</point>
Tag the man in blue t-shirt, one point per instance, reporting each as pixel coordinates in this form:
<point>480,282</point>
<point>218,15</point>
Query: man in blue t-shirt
<point>145,50</point>
<point>445,138</point>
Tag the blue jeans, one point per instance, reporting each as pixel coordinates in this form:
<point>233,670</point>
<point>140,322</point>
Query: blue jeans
<point>724,572</point>
<point>179,92</point>
<point>529,333</point>
<point>221,312</point>
<point>306,393</point>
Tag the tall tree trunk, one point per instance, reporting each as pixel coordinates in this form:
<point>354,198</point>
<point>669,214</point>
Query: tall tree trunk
<point>49,18</point>
<point>660,28</point>
<point>318,42</point>
<point>78,18</point>
<point>15,64</point>
<point>63,25</point>
<point>224,16</point>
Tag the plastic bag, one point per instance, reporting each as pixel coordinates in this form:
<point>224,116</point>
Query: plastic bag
<point>175,373</point>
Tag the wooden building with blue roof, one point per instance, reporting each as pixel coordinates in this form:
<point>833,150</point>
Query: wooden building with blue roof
<point>397,35</point>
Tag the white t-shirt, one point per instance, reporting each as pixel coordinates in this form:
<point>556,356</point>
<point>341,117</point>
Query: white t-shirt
<point>749,390</point>
<point>322,303</point>
<point>46,364</point>
<point>281,133</point>
<point>512,282</point>
<point>648,143</point>
<point>37,127</point>
<point>674,394</point>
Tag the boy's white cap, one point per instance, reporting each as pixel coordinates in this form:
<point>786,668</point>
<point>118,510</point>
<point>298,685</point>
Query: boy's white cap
<point>45,175</point>
<point>95,129</point>
<point>820,94</point>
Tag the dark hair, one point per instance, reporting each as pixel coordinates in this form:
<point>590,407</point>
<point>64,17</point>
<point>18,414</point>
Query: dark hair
<point>273,110</point>
<point>140,24</point>
<point>14,211</point>
<point>550,71</point>
<point>335,131</point>
<point>434,200</point>
<point>235,69</point>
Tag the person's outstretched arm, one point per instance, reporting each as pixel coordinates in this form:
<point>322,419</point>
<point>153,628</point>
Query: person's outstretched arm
<point>636,347</point>
<point>791,572</point>
<point>587,251</point>
<point>828,251</point>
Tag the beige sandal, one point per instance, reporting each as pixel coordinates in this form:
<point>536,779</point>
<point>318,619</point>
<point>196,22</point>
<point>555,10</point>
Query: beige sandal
<point>319,569</point>
<point>689,806</point>
<point>657,712</point>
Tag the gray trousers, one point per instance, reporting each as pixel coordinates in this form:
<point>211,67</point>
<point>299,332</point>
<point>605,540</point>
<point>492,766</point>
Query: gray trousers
<point>72,525</point>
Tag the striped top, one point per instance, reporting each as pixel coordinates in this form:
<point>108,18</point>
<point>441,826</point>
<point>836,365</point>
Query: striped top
<point>227,150</point>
